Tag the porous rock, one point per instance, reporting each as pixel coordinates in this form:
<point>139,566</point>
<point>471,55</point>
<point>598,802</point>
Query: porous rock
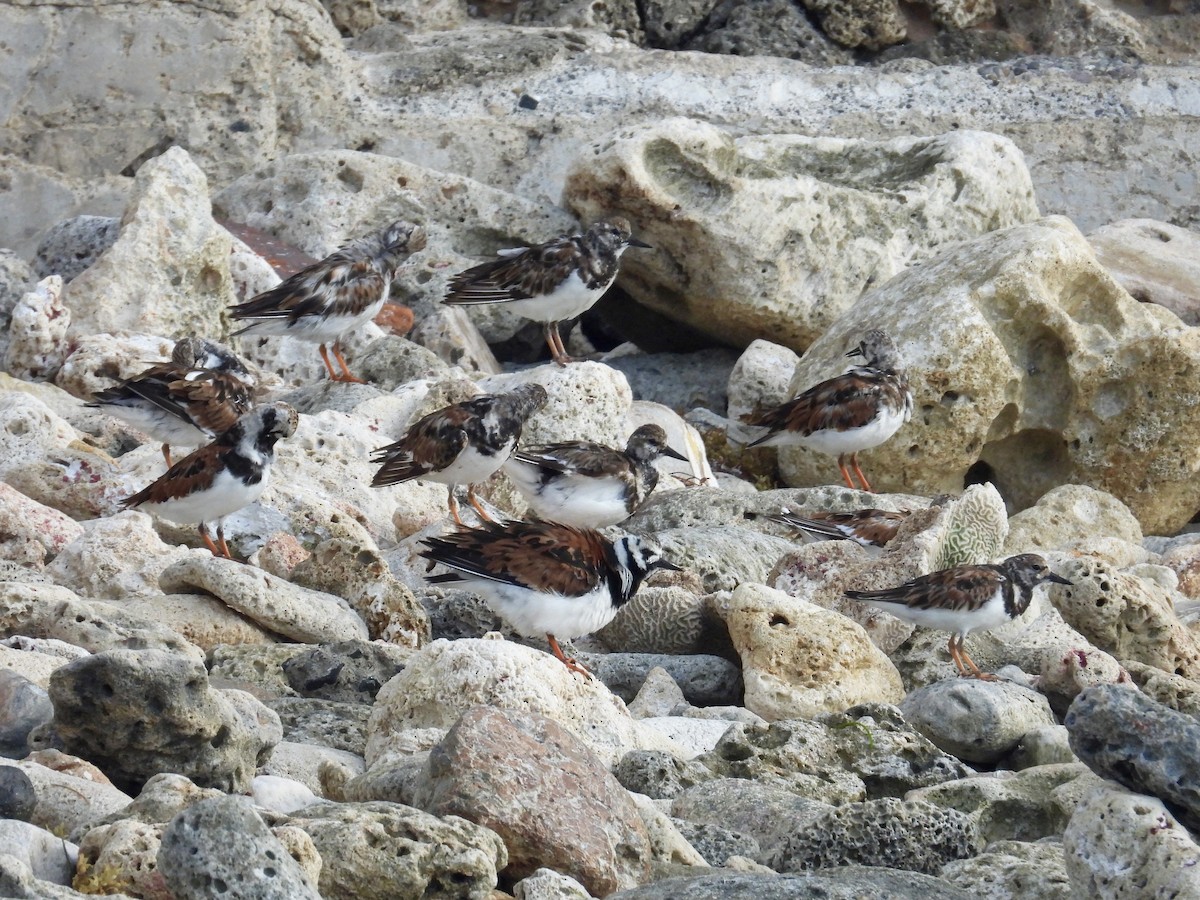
<point>977,721</point>
<point>1010,869</point>
<point>659,775</point>
<point>446,678</point>
<point>338,724</point>
<point>549,797</point>
<point>214,737</point>
<point>89,565</point>
<point>37,332</point>
<point>26,521</point>
<point>695,186</point>
<point>703,680</point>
<point>349,670</point>
<point>71,246</point>
<point>800,660</point>
<point>287,609</point>
<point>767,28</point>
<point>843,883</point>
<point>870,24</point>
<point>1155,261</point>
<point>1068,517</point>
<point>224,841</point>
<point>990,332</point>
<point>721,556</point>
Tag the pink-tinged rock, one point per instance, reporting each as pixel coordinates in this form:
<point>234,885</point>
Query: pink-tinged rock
<point>544,792</point>
<point>23,518</point>
<point>38,332</point>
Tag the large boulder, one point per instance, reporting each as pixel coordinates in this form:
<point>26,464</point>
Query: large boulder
<point>1026,356</point>
<point>745,227</point>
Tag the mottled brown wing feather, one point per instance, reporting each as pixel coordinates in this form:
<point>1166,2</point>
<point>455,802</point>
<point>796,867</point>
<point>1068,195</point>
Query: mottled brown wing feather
<point>577,457</point>
<point>214,400</point>
<point>194,472</point>
<point>878,526</point>
<point>839,404</point>
<point>537,271</point>
<point>337,284</point>
<point>430,445</point>
<point>955,588</point>
<point>153,386</point>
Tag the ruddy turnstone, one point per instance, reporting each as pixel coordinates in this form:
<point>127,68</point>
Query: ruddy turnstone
<point>551,282</point>
<point>461,444</point>
<point>546,578</point>
<point>222,477</point>
<point>855,411</point>
<point>324,301</point>
<point>589,485</point>
<point>199,394</point>
<point>866,527</point>
<point>963,599</point>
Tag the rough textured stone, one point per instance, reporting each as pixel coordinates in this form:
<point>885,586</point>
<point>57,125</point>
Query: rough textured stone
<point>544,792</point>
<point>222,841</point>
<point>1070,517</point>
<point>703,680</point>
<point>347,671</point>
<point>23,707</point>
<point>48,857</point>
<point>37,332</point>
<point>977,721</point>
<point>214,737</point>
<point>1128,737</point>
<point>1011,869</point>
<point>72,794</point>
<point>446,678</point>
<point>328,723</point>
<point>381,850</point>
<point>659,775</point>
<point>89,565</point>
<point>287,609</point>
<point>1127,616</point>
<point>722,557</point>
<point>692,183</point>
<point>990,332</point>
<point>123,853</point>
<point>898,834</point>
<point>1121,846</point>
<point>800,660</point>
<point>72,245</point>
<point>845,883</point>
<point>1155,261</point>
<point>546,884</point>
<point>766,28</point>
<point>870,24</point>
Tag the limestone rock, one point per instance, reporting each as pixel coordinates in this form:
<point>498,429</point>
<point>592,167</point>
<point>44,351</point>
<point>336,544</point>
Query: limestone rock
<point>696,187</point>
<point>24,706</point>
<point>1124,845</point>
<point>977,721</point>
<point>766,28</point>
<point>870,24</point>
<point>842,883</point>
<point>17,796</point>
<point>800,660</point>
<point>89,565</point>
<point>544,792</point>
<point>71,246</point>
<point>37,333</point>
<point>546,884</point>
<point>215,737</point>
<point>224,841</point>
<point>1009,869</point>
<point>1131,739</point>
<point>99,361</point>
<point>124,852</point>
<point>346,671</point>
<point>48,857</point>
<point>446,678</point>
<point>1071,517</point>
<point>71,795</point>
<point>659,775</point>
<point>989,384</point>
<point>379,850</point>
<point>29,430</point>
<point>26,522</point>
<point>287,609</point>
<point>722,556</point>
<point>338,724</point>
<point>761,377</point>
<point>168,271</point>
<point>1155,262</point>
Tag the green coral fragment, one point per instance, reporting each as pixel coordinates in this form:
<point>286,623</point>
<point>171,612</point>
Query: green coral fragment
<point>973,530</point>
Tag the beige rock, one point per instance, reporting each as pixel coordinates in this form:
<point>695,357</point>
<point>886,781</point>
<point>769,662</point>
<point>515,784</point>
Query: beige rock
<point>799,660</point>
<point>70,799</point>
<point>90,566</point>
<point>31,664</point>
<point>991,331</point>
<point>871,24</point>
<point>303,762</point>
<point>26,520</point>
<point>201,618</point>
<point>588,401</point>
<point>124,852</point>
<point>761,378</point>
<point>1127,616</point>
<point>1155,261</point>
<point>168,272</point>
<point>29,431</point>
<point>424,15</point>
<point>446,678</point>
<point>449,332</point>
<point>744,227</point>
<point>1071,517</point>
<point>98,361</point>
<point>37,343</point>
<point>666,843</point>
<point>287,609</point>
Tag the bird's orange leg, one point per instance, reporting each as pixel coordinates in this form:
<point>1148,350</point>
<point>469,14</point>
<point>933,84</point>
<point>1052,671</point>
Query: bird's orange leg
<point>561,657</point>
<point>474,501</point>
<point>208,541</point>
<point>866,485</point>
<point>166,451</point>
<point>975,672</point>
<point>221,542</point>
<point>845,472</point>
<point>558,350</point>
<point>453,504</point>
<point>346,374</point>
<point>333,376</point>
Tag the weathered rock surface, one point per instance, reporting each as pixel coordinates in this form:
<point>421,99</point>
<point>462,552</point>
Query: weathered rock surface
<point>988,384</point>
<point>844,883</point>
<point>1155,261</point>
<point>693,185</point>
<point>37,331</point>
<point>549,797</point>
<point>214,737</point>
<point>1010,869</point>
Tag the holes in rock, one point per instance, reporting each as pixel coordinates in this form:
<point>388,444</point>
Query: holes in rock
<point>1027,464</point>
<point>352,178</point>
<point>779,619</point>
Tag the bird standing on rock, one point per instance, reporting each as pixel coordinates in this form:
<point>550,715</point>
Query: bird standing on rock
<point>855,411</point>
<point>551,282</point>
<point>331,297</point>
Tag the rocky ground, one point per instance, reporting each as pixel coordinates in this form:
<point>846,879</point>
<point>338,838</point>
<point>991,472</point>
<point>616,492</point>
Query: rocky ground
<point>1006,187</point>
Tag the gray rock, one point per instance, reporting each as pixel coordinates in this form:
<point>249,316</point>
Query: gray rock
<point>717,844</point>
<point>17,796</point>
<point>328,723</point>
<point>71,246</point>
<point>659,695</point>
<point>669,618</point>
<point>1011,869</point>
<point>1042,746</point>
<point>848,883</point>
<point>659,775</point>
<point>23,707</point>
<point>705,680</point>
<point>16,880</point>
<point>766,812</point>
<point>1150,748</point>
<point>48,857</point>
<point>767,28</point>
<point>898,834</point>
<point>678,380</point>
<point>222,846</point>
<point>349,671</point>
<point>376,851</point>
<point>257,668</point>
<point>977,721</point>
<point>16,279</point>
<point>669,23</point>
<point>723,556</point>
<point>455,614</point>
<point>338,396</point>
<point>392,361</point>
<point>135,713</point>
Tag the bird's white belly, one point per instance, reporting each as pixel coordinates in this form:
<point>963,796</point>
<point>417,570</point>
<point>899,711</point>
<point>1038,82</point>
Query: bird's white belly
<point>571,298</point>
<point>990,615</point>
<point>319,329</point>
<point>579,501</point>
<point>227,495</point>
<point>533,614</point>
<point>471,466</point>
<point>878,430</point>
<point>159,424</point>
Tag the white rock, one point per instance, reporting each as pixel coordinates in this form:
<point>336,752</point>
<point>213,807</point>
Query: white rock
<point>89,565</point>
<point>99,361</point>
<point>695,736</point>
<point>24,519</point>
<point>35,666</point>
<point>761,377</point>
<point>37,335</point>
<point>29,431</point>
<point>303,763</point>
<point>48,857</point>
<point>666,843</point>
<point>282,795</point>
<point>1154,261</point>
<point>69,799</point>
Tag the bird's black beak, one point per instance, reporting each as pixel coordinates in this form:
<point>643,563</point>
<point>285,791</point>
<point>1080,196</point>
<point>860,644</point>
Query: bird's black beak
<point>857,351</point>
<point>669,566</point>
<point>1058,579</point>
<point>674,454</point>
<point>634,242</point>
